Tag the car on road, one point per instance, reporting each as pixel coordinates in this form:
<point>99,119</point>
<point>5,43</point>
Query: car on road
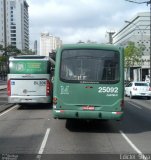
<point>138,89</point>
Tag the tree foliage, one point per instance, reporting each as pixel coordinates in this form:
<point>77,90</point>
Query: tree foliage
<point>1,47</point>
<point>27,52</point>
<point>3,59</point>
<point>133,54</point>
<point>12,51</point>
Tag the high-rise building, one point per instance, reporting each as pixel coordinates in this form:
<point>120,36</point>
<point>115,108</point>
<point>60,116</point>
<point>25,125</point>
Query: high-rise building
<point>48,43</point>
<point>137,30</point>
<point>14,23</point>
<point>35,46</point>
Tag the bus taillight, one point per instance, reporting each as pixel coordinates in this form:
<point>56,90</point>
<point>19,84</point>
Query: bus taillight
<point>54,100</point>
<point>8,88</point>
<point>48,88</point>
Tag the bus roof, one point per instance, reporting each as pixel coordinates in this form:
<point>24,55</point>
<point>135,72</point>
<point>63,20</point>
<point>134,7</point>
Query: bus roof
<point>29,57</point>
<point>90,45</point>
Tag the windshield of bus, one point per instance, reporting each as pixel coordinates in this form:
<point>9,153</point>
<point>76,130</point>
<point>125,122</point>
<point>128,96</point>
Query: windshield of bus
<point>85,65</point>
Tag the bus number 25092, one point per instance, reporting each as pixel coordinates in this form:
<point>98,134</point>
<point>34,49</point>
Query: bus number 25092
<point>108,90</point>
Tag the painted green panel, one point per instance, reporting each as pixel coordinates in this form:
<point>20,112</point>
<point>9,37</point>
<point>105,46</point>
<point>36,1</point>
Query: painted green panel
<point>74,94</point>
<point>28,67</point>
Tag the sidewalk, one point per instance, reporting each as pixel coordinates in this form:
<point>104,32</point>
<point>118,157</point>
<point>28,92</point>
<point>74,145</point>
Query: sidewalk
<point>3,87</point>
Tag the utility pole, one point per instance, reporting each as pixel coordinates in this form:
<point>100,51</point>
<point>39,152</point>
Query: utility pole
<point>148,3</point>
<point>5,28</point>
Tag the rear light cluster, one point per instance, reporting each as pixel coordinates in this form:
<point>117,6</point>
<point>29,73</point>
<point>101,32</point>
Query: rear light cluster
<point>48,88</point>
<point>54,100</point>
<point>149,88</point>
<point>9,87</point>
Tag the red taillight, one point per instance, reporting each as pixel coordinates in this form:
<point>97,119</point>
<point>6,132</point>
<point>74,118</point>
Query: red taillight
<point>54,100</point>
<point>48,88</point>
<point>9,88</point>
<point>134,88</point>
<point>149,88</point>
<point>118,113</point>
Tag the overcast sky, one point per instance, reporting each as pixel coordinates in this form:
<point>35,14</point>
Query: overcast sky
<point>74,20</point>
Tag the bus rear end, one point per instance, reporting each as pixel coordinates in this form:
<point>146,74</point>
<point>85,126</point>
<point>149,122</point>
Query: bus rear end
<point>89,82</point>
<point>29,80</point>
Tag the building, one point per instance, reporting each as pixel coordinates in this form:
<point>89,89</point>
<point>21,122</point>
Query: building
<point>14,23</point>
<point>35,47</point>
<point>137,30</point>
<point>48,43</point>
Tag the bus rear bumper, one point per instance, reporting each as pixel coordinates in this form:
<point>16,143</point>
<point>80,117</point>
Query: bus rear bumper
<point>27,99</point>
<point>67,114</point>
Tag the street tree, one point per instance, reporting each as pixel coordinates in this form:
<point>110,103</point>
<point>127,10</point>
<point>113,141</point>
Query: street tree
<point>1,47</point>
<point>3,59</point>
<point>27,52</point>
<point>133,55</point>
<point>11,51</point>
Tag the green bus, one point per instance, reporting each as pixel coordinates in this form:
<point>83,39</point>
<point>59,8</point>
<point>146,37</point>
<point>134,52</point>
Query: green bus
<point>89,82</point>
<point>29,79</point>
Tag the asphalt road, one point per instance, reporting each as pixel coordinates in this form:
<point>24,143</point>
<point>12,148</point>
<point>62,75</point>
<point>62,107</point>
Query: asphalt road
<point>3,96</point>
<point>31,130</point>
<point>4,100</point>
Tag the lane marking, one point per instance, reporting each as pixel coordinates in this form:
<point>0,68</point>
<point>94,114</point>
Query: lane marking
<point>133,145</point>
<point>44,141</point>
<point>134,105</point>
<point>3,113</point>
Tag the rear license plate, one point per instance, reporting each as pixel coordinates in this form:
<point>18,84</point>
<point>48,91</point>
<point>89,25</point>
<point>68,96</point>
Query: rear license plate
<point>91,108</point>
<point>142,93</point>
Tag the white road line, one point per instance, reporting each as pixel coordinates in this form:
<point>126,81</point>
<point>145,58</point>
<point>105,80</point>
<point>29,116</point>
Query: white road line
<point>133,146</point>
<point>134,105</point>
<point>44,141</point>
<point>8,110</point>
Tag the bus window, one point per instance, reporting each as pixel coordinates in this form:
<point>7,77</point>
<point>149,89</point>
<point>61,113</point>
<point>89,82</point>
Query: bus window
<point>89,65</point>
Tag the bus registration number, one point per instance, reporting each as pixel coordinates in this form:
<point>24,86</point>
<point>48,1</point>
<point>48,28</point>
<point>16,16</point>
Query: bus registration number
<point>91,108</point>
<point>108,90</point>
<point>40,83</point>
